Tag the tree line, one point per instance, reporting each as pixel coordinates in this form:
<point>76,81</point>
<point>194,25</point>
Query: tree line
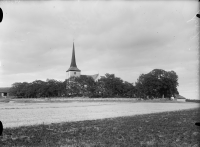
<point>155,84</point>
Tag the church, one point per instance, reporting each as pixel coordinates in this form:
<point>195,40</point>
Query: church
<point>73,70</point>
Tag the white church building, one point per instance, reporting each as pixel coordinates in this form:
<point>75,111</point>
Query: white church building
<point>73,70</point>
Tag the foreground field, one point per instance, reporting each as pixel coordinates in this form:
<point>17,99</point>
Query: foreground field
<point>175,129</point>
<point>23,114</point>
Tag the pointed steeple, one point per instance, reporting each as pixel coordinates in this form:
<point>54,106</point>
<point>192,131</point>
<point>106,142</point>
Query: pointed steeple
<point>73,66</point>
<point>73,61</point>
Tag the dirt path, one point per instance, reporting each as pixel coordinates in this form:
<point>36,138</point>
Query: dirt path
<point>19,114</point>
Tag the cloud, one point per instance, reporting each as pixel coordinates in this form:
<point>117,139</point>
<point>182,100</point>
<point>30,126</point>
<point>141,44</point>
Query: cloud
<point>125,38</point>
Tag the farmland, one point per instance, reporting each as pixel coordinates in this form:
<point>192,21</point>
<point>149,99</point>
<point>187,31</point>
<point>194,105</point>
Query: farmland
<point>175,129</point>
<point>35,113</point>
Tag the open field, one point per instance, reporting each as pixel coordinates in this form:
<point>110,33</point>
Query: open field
<point>27,113</point>
<point>174,129</point>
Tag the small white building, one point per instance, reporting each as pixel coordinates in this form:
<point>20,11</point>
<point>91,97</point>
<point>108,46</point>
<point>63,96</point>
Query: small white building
<point>4,92</point>
<point>179,98</point>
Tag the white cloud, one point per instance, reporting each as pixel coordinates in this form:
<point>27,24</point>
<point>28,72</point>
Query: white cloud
<point>125,38</point>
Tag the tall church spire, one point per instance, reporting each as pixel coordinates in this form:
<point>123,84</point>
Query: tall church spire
<point>73,66</point>
<point>73,61</point>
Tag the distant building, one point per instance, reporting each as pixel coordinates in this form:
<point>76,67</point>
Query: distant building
<point>179,98</point>
<point>4,92</point>
<point>73,70</point>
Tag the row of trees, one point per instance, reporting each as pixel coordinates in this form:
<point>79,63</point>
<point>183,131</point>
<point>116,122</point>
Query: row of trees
<point>106,86</point>
<point>38,88</point>
<point>157,83</point>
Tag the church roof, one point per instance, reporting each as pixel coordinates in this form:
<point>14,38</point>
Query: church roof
<point>93,76</point>
<point>73,66</point>
<point>73,69</point>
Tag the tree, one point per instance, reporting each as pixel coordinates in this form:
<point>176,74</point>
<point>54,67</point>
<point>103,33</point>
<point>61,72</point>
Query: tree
<point>129,90</point>
<point>16,89</point>
<point>157,83</point>
<point>81,86</point>
<point>111,86</point>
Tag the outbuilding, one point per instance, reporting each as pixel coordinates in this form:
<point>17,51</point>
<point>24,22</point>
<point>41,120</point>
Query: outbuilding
<point>180,98</point>
<point>4,92</point>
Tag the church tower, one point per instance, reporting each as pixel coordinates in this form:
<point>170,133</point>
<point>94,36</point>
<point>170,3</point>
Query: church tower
<point>73,71</point>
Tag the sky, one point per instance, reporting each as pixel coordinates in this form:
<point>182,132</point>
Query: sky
<point>125,38</point>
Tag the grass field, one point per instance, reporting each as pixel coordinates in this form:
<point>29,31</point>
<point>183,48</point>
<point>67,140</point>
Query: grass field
<point>159,129</point>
